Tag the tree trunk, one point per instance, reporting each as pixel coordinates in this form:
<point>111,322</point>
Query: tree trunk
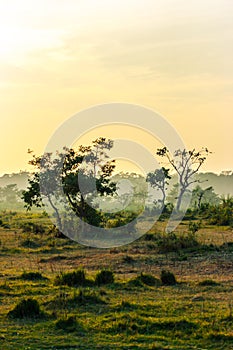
<point>179,201</point>
<point>59,233</point>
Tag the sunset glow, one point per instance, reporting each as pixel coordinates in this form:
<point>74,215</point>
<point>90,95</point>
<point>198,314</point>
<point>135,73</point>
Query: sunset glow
<point>57,58</point>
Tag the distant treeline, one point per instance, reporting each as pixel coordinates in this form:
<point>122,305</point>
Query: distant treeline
<point>222,184</point>
<point>12,185</point>
<point>19,179</point>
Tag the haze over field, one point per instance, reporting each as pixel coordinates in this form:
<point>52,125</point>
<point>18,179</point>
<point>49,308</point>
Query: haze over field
<point>57,58</point>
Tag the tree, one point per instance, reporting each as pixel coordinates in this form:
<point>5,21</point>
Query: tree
<point>158,180</point>
<point>80,183</point>
<point>205,196</point>
<point>222,214</point>
<point>186,164</point>
<point>10,194</point>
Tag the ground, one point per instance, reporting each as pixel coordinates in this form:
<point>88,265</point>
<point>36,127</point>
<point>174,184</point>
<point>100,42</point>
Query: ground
<point>126,314</point>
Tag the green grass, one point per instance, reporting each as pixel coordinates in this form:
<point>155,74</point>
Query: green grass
<point>134,311</point>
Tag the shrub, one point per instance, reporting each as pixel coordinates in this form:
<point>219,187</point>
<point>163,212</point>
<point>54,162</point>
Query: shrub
<point>6,226</point>
<point>125,304</point>
<point>149,237</point>
<point>145,279</point>
<point>168,278</point>
<point>36,228</point>
<point>32,276</point>
<point>221,214</point>
<point>128,259</point>
<point>72,279</point>
<point>26,308</point>
<point>26,227</point>
<point>29,243</point>
<point>135,282</point>
<point>149,280</point>
<point>173,243</point>
<point>84,297</point>
<point>32,227</point>
<point>69,324</point>
<point>208,283</point>
<point>104,277</point>
<point>194,227</point>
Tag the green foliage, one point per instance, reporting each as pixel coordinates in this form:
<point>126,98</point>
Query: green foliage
<point>194,226</point>
<point>85,297</point>
<point>149,280</point>
<point>145,279</point>
<point>66,169</point>
<point>221,214</point>
<point>32,227</point>
<point>208,282</point>
<point>69,324</point>
<point>172,242</point>
<point>72,279</point>
<point>32,276</point>
<point>26,308</point>
<point>128,259</point>
<point>159,181</point>
<point>149,237</point>
<point>203,198</point>
<point>135,282</point>
<point>10,197</point>
<point>121,219</point>
<point>29,243</point>
<point>168,278</point>
<point>4,225</point>
<point>104,277</point>
<point>128,314</point>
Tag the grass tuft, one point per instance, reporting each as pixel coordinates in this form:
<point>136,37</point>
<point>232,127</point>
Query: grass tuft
<point>26,308</point>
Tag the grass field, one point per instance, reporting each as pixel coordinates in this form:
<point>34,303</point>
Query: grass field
<point>136,311</point>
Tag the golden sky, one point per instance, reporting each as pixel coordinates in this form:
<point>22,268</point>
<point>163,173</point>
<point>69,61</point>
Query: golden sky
<point>59,57</point>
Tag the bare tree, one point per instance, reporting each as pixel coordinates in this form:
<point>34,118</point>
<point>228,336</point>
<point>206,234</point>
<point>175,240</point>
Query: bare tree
<point>186,164</point>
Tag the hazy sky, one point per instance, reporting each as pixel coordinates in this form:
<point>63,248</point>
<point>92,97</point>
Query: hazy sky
<point>58,57</point>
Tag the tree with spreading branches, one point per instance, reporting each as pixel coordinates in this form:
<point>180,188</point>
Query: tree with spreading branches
<point>88,166</point>
<point>158,180</point>
<point>186,164</point>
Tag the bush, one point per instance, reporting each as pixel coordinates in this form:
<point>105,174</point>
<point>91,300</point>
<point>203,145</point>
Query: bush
<point>26,227</point>
<point>85,298</point>
<point>150,280</point>
<point>36,228</point>
<point>6,226</point>
<point>208,283</point>
<point>32,276</point>
<point>145,279</point>
<point>32,227</point>
<point>122,219</point>
<point>69,324</point>
<point>168,278</point>
<point>125,304</point>
<point>194,227</point>
<point>173,243</point>
<point>104,277</point>
<point>149,237</point>
<point>29,243</point>
<point>26,308</point>
<point>72,279</point>
<point>221,214</point>
<point>135,282</point>
<point>128,259</point>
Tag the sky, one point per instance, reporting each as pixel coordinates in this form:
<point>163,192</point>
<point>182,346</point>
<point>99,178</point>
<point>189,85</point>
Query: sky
<point>60,57</point>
